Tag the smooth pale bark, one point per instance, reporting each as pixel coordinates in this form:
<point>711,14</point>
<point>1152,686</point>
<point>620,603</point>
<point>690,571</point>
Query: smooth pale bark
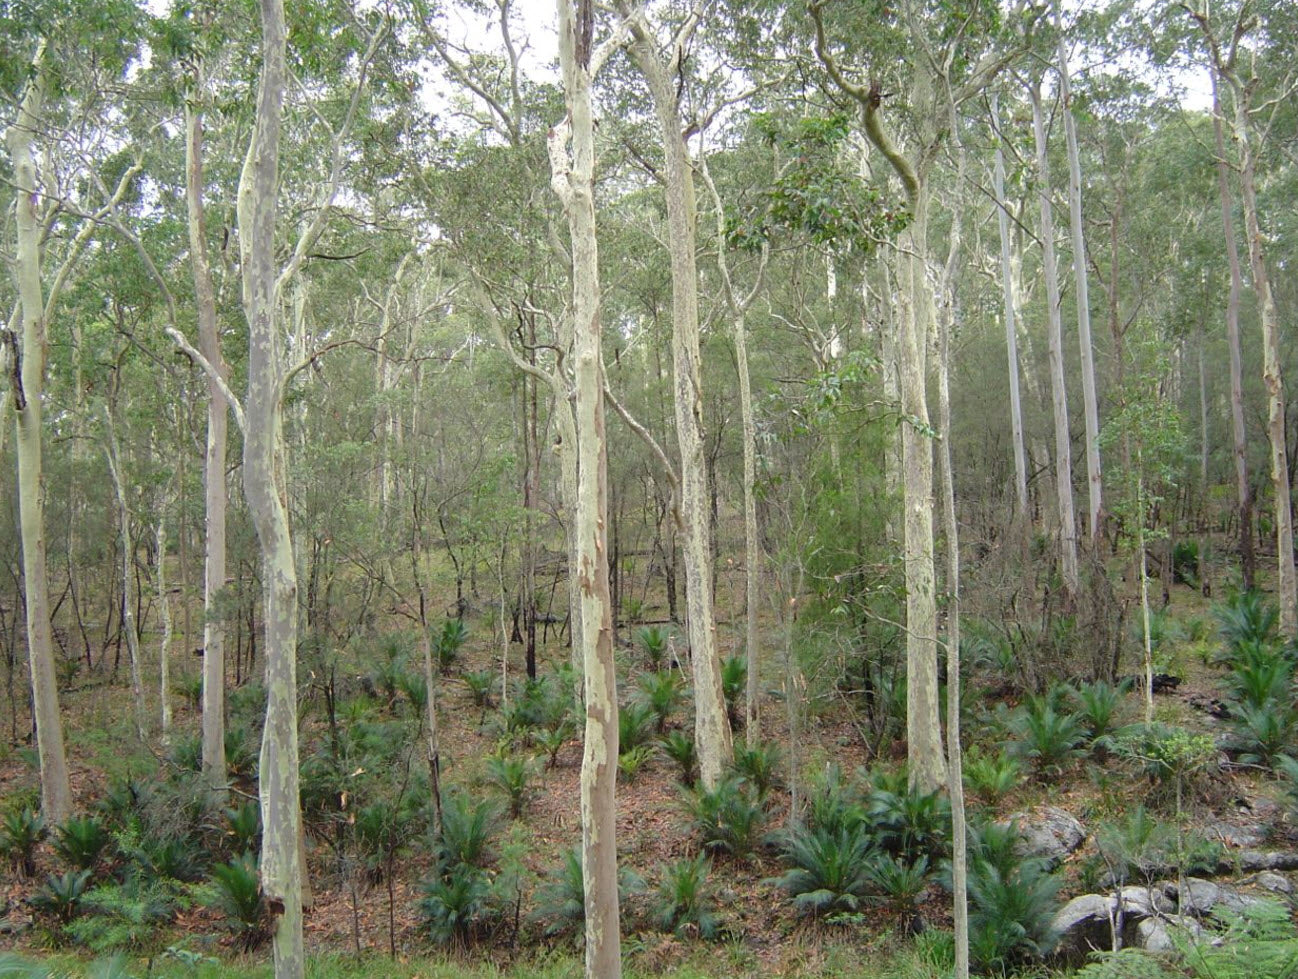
<point>113,452</point>
<point>1054,332</point>
<point>926,763</point>
<point>214,484</point>
<point>573,174</point>
<point>263,482</point>
<point>1090,402</point>
<point>1226,69</point>
<point>712,735</point>
<point>1243,488</point>
<point>164,619</point>
<point>951,529</point>
<point>1272,377</point>
<point>1011,337</point>
<point>27,384</point>
<point>753,557</point>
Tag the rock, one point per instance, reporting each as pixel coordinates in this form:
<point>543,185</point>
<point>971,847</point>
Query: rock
<point>1254,860</point>
<point>1237,834</point>
<point>1198,896</point>
<point>1084,924</point>
<point>1051,834</point>
<point>1144,901</point>
<point>1269,880</point>
<point>1155,934</point>
<point>1229,899</point>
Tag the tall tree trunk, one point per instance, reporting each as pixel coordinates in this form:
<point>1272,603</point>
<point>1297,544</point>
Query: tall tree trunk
<point>114,455</point>
<point>214,485</point>
<point>1011,337</point>
<point>1094,478</point>
<point>263,481</point>
<point>1059,396</point>
<point>573,182</point>
<point>1272,376</point>
<point>164,619</point>
<point>711,725</point>
<point>27,386</point>
<point>1243,488</point>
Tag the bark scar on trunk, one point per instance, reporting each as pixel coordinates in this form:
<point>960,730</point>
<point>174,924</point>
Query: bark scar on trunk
<point>10,340</point>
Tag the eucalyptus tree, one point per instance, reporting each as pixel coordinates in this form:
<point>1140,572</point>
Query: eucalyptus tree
<point>660,66</point>
<point>1054,334</point>
<point>572,162</point>
<point>54,102</point>
<point>947,55</point>
<point>1236,47</point>
<point>1091,411</point>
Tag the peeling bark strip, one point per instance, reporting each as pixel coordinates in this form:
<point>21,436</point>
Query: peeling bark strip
<point>15,365</point>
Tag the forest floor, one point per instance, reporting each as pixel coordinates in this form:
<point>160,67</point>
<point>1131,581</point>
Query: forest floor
<point>359,928</point>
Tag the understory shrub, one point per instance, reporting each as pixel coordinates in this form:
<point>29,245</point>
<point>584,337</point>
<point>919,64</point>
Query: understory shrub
<point>759,766</point>
<point>727,819</point>
<point>457,906</point>
<point>679,747</point>
<point>830,868</point>
<point>236,892</point>
<point>21,831</point>
<point>1012,901</point>
<point>81,841</point>
<point>684,899</point>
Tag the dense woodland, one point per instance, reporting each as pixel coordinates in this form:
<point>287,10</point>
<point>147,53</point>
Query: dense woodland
<point>699,488</point>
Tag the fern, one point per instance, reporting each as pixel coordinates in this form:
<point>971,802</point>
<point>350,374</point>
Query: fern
<point>1127,963</point>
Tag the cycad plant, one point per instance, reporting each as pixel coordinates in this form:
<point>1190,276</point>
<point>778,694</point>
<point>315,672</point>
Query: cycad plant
<point>661,692</point>
<point>727,819</point>
<point>653,640</point>
<point>20,832</point>
<point>734,676</point>
<point>446,644</point>
<point>635,726</point>
<point>243,826</point>
<point>512,775</point>
<point>1047,735</point>
<point>1097,707</point>
<point>899,887</point>
<point>684,901</point>
<point>759,766</point>
<point>1012,902</point>
<point>829,870</point>
<point>990,776</point>
<point>1246,617</point>
<point>81,841</point>
<point>457,905</point>
<point>467,830</point>
<point>679,747</point>
<point>561,901</point>
<point>236,893</point>
<point>60,896</point>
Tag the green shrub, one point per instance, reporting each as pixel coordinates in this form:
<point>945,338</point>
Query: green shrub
<point>629,763</point>
<point>512,776</point>
<point>414,688</point>
<point>236,893</point>
<point>727,819</point>
<point>908,823</point>
<point>734,675</point>
<point>242,752</point>
<point>1266,733</point>
<point>1259,676</point>
<point>1097,707</point>
<point>561,901</point>
<point>60,896</point>
<point>187,753</point>
<point>243,826</point>
<point>168,857</point>
<point>684,900</point>
<point>990,777</point>
<point>468,830</point>
<point>21,831</point>
<point>830,869</point>
<point>661,692</point>
<point>128,916</point>
<point>1012,902</point>
<point>379,830</point>
<point>653,640</point>
<point>759,766</point>
<point>679,747</point>
<point>457,906</point>
<point>446,644</point>
<point>1258,941</point>
<point>552,740</point>
<point>1137,846</point>
<point>833,804</point>
<point>190,689</point>
<point>1246,617</point>
<point>900,885</point>
<point>1045,734</point>
<point>80,842</point>
<point>481,686</point>
<point>635,726</point>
